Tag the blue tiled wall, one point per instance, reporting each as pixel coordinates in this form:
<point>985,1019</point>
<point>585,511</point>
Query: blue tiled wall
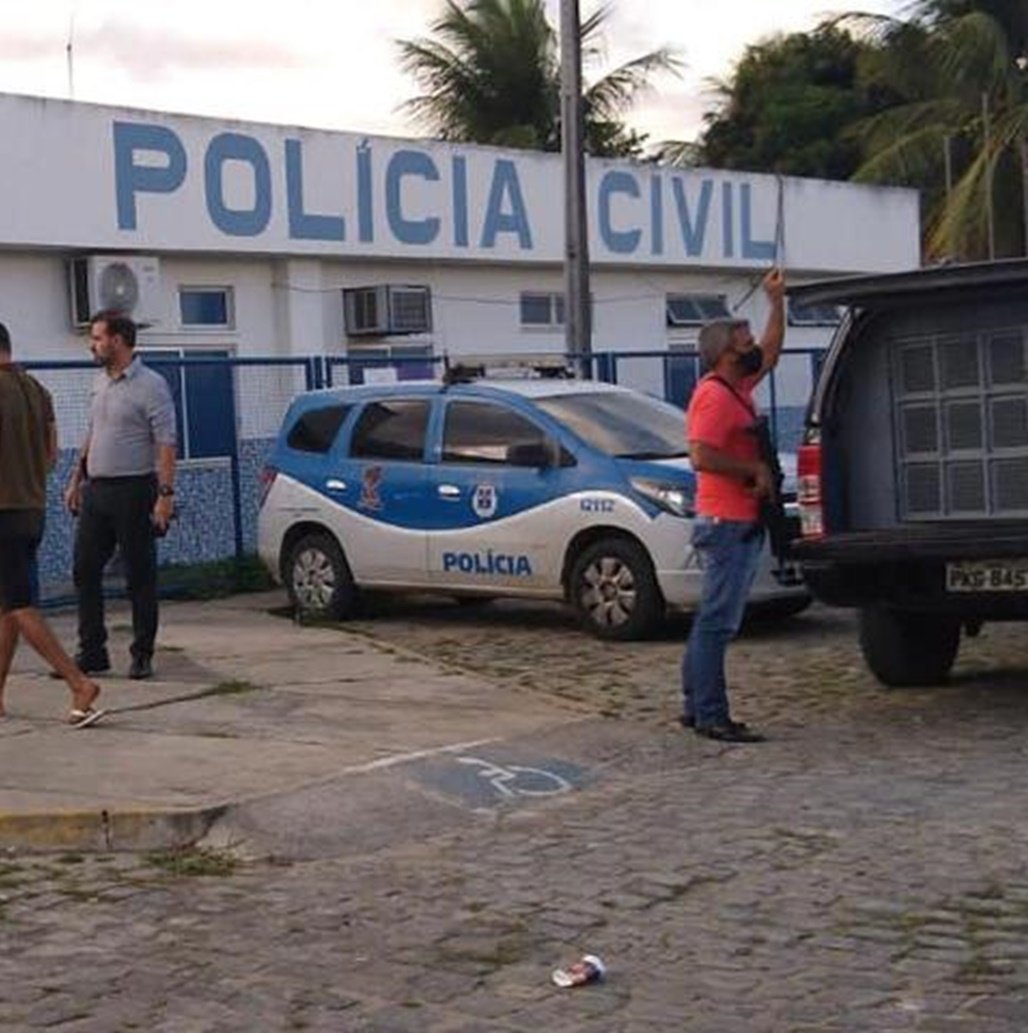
<point>204,529</point>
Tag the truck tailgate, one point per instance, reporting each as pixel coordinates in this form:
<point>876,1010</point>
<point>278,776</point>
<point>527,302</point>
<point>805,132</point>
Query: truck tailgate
<point>970,541</point>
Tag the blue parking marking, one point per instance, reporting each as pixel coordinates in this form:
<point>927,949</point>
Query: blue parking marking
<point>485,779</point>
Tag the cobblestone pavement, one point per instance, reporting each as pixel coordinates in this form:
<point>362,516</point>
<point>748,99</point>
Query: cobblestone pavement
<point>863,871</point>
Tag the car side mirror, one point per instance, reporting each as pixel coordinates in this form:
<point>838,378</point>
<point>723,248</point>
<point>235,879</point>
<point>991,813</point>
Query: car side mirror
<point>536,454</point>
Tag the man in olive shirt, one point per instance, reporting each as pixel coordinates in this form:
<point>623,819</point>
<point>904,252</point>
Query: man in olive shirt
<point>122,490</point>
<point>28,448</point>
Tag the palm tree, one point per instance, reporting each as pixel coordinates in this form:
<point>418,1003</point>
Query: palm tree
<point>957,69</point>
<point>491,74</point>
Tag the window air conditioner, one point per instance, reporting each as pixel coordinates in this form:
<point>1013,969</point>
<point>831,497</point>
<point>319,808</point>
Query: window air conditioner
<point>387,309</point>
<point>128,283</point>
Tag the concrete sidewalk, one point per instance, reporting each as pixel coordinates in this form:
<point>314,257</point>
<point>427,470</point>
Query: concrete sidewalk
<point>244,705</point>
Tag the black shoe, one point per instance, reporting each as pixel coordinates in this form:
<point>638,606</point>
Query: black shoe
<point>687,721</point>
<point>142,667</point>
<point>730,731</point>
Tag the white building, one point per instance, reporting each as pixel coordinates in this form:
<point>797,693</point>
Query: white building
<point>277,221</point>
<point>258,240</point>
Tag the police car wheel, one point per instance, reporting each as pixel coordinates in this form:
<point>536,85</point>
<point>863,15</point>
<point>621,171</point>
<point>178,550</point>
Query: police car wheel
<point>318,578</point>
<point>614,590</point>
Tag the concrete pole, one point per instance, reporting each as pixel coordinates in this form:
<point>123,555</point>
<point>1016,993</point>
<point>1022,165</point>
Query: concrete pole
<point>577,314</point>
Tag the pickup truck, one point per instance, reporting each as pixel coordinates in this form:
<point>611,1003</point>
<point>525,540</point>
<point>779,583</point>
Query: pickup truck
<point>913,474</point>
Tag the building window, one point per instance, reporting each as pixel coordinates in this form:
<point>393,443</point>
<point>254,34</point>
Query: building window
<point>387,309</point>
<point>694,309</point>
<point>205,405</point>
<point>206,307</point>
<point>542,309</point>
<point>813,315</point>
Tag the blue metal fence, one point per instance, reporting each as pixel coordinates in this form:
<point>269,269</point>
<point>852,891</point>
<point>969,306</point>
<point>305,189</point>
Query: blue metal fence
<point>229,411</point>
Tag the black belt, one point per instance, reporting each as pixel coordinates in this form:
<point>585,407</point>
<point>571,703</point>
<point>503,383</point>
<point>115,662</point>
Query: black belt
<point>132,478</point>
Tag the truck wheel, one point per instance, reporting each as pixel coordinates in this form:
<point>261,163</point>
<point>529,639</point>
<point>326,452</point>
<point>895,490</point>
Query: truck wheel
<point>908,648</point>
<point>614,590</point>
<point>318,578</point>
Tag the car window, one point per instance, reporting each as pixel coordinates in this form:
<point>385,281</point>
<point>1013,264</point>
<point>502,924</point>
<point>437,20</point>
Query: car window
<point>480,432</point>
<point>391,429</point>
<point>622,423</point>
<point>315,430</point>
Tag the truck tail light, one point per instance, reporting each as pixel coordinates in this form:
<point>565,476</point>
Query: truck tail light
<point>268,475</point>
<point>811,503</point>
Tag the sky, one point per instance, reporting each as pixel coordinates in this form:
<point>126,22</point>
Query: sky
<point>332,64</point>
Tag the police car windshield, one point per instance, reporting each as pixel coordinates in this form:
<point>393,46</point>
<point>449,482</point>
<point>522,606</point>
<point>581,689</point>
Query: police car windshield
<point>624,425</point>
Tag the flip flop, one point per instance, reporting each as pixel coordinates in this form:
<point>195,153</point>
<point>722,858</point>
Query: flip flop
<point>85,718</point>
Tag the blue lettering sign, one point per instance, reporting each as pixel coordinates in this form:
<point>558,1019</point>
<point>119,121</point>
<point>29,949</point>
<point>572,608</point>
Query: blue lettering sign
<point>460,202</point>
<point>622,242</point>
<point>488,563</point>
<point>237,222</point>
<point>727,218</point>
<point>409,163</point>
<point>764,250</point>
<point>365,198</point>
<point>693,234</point>
<point>657,215</point>
<point>131,179</point>
<point>303,226</point>
<point>505,186</point>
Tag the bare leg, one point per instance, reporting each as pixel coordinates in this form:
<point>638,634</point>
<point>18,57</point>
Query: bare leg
<point>37,633</point>
<point>8,644</point>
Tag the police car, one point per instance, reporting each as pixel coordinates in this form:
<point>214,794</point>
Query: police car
<point>530,487</point>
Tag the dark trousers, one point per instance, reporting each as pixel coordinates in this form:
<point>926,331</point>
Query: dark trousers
<point>116,511</point>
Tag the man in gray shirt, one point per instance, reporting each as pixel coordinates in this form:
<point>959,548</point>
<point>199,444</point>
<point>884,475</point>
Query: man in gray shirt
<point>123,491</point>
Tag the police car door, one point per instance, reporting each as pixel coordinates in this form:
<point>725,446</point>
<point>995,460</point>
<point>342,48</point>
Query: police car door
<point>492,489</point>
<point>383,485</point>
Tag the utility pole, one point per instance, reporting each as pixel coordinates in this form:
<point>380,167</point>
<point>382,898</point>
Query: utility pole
<point>577,308</point>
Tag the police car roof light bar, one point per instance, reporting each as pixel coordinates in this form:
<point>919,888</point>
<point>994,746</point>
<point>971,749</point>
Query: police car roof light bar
<point>506,366</point>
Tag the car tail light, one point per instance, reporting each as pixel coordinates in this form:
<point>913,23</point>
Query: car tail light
<point>811,503</point>
<point>268,475</point>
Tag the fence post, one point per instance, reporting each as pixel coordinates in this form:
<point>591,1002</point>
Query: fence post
<point>234,475</point>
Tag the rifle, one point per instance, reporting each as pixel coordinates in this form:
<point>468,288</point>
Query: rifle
<point>772,508</point>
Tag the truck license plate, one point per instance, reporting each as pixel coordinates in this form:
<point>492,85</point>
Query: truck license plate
<point>988,576</point>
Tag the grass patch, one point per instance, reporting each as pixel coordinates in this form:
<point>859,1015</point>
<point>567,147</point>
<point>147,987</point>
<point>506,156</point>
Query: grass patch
<point>218,579</point>
<point>71,858</point>
<point>190,861</point>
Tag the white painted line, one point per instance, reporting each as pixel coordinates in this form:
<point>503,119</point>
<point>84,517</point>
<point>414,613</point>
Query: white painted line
<point>406,758</point>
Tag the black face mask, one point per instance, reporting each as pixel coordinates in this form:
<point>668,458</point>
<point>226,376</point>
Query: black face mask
<point>750,362</point>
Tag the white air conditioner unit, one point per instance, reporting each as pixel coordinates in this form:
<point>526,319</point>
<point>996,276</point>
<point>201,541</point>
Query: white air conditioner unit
<point>129,283</point>
<point>386,310</point>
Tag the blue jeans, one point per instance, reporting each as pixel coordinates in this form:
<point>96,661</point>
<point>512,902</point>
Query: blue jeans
<point>729,552</point>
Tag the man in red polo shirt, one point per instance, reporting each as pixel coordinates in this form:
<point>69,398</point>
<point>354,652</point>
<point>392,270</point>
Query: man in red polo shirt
<point>732,480</point>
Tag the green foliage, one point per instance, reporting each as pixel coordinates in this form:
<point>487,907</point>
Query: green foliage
<point>958,90</point>
<point>193,861</point>
<point>490,73</point>
<point>937,101</point>
<point>786,106</point>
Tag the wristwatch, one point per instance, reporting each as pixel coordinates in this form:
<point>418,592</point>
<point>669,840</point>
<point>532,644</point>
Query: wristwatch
<point>165,490</point>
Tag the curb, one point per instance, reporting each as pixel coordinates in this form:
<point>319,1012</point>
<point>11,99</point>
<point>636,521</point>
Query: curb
<point>105,831</point>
